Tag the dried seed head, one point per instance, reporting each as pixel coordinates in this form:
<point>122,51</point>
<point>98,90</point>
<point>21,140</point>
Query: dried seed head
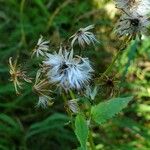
<point>73,105</point>
<point>84,37</point>
<point>132,24</point>
<point>17,75</point>
<point>41,48</point>
<point>42,88</point>
<point>138,6</point>
<point>44,102</point>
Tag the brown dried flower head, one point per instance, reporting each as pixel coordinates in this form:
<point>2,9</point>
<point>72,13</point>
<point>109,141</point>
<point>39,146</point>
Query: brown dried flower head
<point>42,88</point>
<point>17,75</point>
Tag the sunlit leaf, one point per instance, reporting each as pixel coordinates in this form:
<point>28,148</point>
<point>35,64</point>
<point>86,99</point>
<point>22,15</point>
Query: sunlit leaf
<point>106,110</point>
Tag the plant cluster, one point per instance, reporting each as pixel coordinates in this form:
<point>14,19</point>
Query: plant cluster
<point>70,73</point>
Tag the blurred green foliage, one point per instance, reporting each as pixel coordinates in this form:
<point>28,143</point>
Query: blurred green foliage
<point>24,127</point>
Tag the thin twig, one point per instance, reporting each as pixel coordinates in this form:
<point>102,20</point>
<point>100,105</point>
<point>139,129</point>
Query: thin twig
<point>23,37</point>
<point>111,65</point>
<point>51,18</point>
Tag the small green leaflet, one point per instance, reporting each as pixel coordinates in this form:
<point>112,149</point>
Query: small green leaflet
<point>81,130</point>
<point>106,110</point>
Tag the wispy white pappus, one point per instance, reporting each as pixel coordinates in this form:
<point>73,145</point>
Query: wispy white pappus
<point>68,71</point>
<point>42,88</point>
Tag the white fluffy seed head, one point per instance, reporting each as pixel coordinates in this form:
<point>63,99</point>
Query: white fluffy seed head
<point>67,71</point>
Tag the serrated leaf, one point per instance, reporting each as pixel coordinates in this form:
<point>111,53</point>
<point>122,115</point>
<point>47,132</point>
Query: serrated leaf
<point>81,130</point>
<point>106,110</point>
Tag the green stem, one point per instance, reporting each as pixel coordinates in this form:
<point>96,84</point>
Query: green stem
<point>67,110</point>
<point>111,65</point>
<point>23,38</point>
<point>72,94</point>
<point>51,18</point>
<point>91,141</point>
<point>126,42</point>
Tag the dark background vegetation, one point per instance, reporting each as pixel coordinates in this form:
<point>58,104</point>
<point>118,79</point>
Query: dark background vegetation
<point>24,127</point>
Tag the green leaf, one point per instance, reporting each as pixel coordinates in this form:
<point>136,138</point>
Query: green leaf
<point>3,147</point>
<point>106,110</point>
<point>134,126</point>
<point>6,88</point>
<point>42,6</point>
<point>53,122</point>
<point>131,57</point>
<point>81,130</point>
<point>9,121</point>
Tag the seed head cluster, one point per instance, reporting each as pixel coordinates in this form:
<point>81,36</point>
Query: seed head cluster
<point>68,70</point>
<point>62,69</point>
